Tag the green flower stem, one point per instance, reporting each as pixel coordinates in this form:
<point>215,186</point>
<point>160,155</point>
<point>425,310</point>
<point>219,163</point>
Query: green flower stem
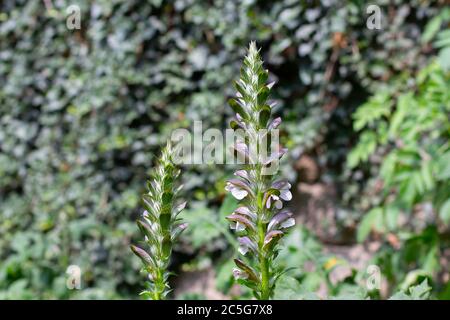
<point>262,226</point>
<point>159,285</point>
<point>265,283</point>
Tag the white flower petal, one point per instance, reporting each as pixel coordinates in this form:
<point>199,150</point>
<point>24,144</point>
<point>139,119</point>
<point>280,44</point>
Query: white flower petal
<point>242,174</point>
<point>239,194</point>
<point>243,249</point>
<point>240,226</point>
<point>238,274</point>
<point>288,223</point>
<point>278,204</point>
<point>286,195</point>
<point>268,202</point>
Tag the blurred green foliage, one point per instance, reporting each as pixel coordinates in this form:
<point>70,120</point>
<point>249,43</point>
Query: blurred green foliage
<point>405,145</point>
<point>407,128</point>
<point>83,112</point>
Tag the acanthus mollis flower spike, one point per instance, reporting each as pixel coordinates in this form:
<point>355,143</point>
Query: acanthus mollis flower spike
<point>160,224</point>
<point>257,220</point>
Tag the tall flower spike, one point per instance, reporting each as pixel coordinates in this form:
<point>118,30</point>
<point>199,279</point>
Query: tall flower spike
<point>160,225</point>
<point>258,220</point>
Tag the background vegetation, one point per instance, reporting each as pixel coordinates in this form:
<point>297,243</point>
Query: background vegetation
<point>84,112</point>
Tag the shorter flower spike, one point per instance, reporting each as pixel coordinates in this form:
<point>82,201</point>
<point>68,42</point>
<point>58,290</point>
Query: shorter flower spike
<point>160,225</point>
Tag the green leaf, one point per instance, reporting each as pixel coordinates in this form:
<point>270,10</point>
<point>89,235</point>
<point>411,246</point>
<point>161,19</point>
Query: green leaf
<point>444,212</point>
<point>234,125</point>
<point>404,103</point>
<point>240,89</point>
<point>165,221</point>
<point>419,292</point>
<point>288,288</point>
<point>262,78</point>
<point>391,214</point>
<point>427,175</point>
<point>237,108</point>
<point>166,246</point>
<point>443,167</point>
<point>444,58</point>
<point>263,94</point>
<point>167,198</point>
<point>229,204</point>
<point>224,275</point>
<point>350,292</point>
<point>372,111</point>
<point>365,147</point>
<point>431,29</point>
<point>264,116</point>
<point>370,221</point>
<point>203,225</point>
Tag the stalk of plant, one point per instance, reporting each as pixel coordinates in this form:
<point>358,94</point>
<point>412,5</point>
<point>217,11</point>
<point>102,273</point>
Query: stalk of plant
<point>259,221</point>
<point>160,225</point>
